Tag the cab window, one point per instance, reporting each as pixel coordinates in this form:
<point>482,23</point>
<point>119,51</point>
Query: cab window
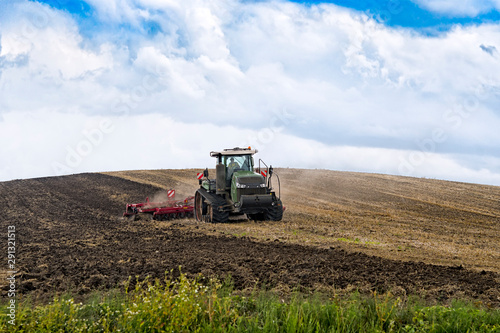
<point>238,162</point>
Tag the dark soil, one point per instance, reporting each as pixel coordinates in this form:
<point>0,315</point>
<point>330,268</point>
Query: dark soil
<point>69,237</point>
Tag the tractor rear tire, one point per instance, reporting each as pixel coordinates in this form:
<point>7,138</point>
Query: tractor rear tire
<point>215,215</point>
<point>207,211</point>
<point>200,207</point>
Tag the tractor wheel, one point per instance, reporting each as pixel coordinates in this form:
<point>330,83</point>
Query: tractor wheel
<point>216,216</point>
<point>209,212</point>
<point>200,207</point>
<point>275,213</point>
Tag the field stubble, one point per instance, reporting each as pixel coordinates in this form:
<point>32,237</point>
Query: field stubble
<point>410,219</point>
<point>340,230</point>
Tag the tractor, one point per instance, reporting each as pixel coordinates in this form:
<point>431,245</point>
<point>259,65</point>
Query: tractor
<point>237,189</point>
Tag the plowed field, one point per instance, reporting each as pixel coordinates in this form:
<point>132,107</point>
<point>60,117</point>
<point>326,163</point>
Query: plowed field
<point>340,231</point>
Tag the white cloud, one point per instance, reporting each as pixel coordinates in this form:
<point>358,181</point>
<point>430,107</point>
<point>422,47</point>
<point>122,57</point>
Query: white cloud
<point>225,71</point>
<point>97,143</point>
<point>468,8</point>
<point>52,43</point>
<point>45,65</point>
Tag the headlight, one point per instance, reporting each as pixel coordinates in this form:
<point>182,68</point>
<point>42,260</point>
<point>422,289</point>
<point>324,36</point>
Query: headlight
<point>238,185</point>
<point>263,185</point>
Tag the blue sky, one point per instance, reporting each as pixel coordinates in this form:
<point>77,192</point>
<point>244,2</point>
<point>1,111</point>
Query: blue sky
<point>413,14</point>
<point>395,13</point>
<point>397,87</point>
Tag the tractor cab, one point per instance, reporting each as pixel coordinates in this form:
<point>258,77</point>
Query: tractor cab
<point>235,163</point>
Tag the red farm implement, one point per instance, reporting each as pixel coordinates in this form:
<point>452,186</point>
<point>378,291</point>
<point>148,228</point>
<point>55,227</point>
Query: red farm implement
<point>162,211</point>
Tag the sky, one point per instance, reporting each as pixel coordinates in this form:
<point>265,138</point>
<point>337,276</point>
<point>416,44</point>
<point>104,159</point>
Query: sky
<point>400,87</point>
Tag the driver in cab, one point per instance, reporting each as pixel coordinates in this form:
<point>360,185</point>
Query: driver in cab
<point>233,164</point>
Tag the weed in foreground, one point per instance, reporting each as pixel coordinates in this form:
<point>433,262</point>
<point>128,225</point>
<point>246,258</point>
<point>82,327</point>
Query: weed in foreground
<point>188,305</point>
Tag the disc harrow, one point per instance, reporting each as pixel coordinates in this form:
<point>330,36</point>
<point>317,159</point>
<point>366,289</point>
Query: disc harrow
<point>161,211</point>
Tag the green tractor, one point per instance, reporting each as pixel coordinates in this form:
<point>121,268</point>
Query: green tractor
<point>237,189</point>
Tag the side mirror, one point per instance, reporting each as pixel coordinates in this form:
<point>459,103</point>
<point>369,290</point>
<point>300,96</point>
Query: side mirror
<point>205,173</point>
<point>270,171</point>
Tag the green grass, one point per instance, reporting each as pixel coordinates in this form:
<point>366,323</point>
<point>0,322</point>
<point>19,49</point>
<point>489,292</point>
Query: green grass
<point>188,305</point>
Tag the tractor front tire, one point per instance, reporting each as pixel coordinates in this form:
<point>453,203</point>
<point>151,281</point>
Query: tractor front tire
<point>275,213</point>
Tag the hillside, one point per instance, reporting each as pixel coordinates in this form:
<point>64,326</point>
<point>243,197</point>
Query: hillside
<point>433,221</point>
<point>340,230</point>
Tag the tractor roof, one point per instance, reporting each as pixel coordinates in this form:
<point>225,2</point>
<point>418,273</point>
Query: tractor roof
<point>234,151</point>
